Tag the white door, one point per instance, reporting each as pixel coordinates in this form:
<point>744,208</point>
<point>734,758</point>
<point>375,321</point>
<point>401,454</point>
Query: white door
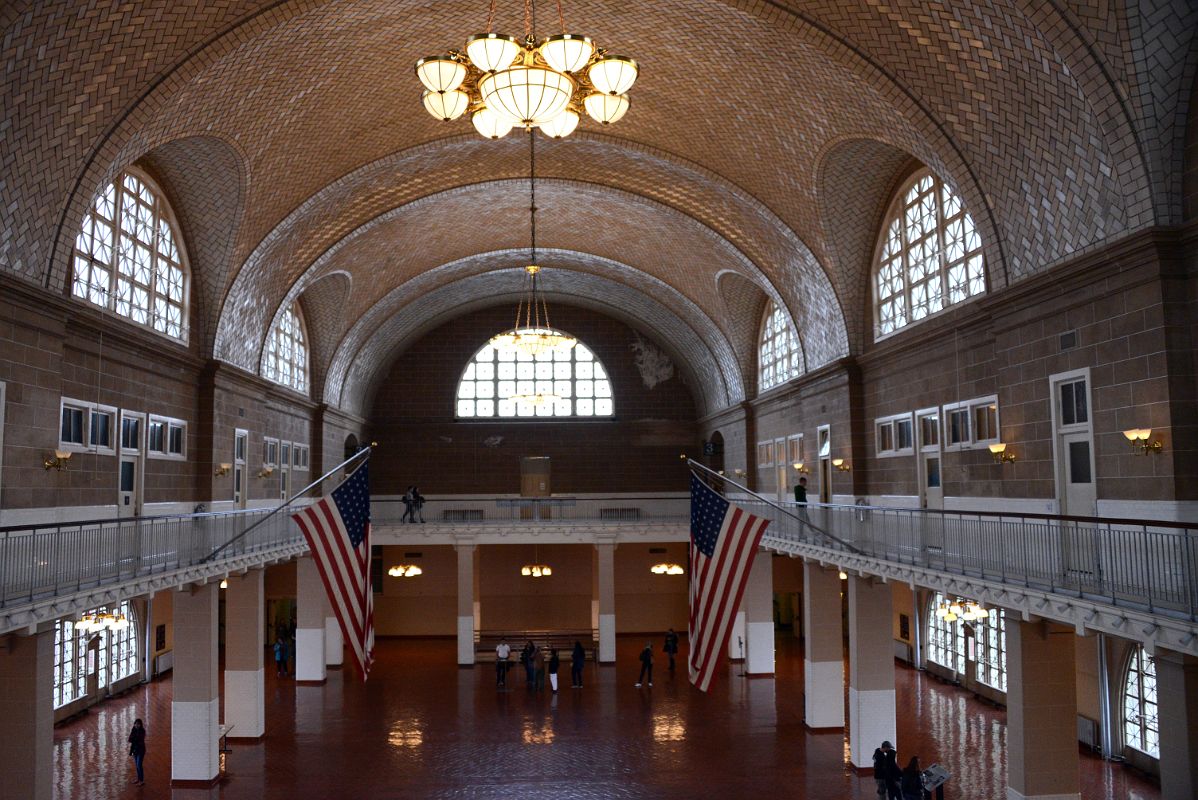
<point>241,443</point>
<point>1079,498</point>
<point>132,461</point>
<point>284,470</point>
<point>931,491</point>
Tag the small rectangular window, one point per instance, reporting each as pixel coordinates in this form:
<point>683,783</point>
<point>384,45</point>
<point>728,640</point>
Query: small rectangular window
<point>902,434</point>
<point>985,423</point>
<point>270,452</point>
<point>130,433</point>
<point>1074,404</point>
<point>794,449</point>
<point>175,445</point>
<point>929,430</point>
<point>825,442</point>
<point>958,426</point>
<point>156,443</point>
<point>765,454</point>
<point>886,437</point>
<point>71,431</point>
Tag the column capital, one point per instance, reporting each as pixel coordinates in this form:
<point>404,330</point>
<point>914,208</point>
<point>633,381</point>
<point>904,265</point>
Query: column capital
<point>607,540</point>
<point>463,541</point>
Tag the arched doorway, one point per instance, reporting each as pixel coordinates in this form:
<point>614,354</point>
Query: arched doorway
<point>351,445</point>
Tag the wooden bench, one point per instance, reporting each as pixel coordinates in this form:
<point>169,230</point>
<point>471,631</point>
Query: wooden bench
<point>485,643</point>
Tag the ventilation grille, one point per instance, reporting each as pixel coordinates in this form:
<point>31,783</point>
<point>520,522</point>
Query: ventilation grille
<point>1068,340</point>
<point>619,513</point>
<point>462,514</point>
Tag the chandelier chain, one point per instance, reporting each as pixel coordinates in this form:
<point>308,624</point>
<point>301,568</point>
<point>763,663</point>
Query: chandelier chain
<point>491,18</point>
<point>528,13</point>
<point>561,18</point>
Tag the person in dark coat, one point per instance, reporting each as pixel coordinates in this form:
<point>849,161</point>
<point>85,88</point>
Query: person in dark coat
<point>409,505</point>
<point>417,504</point>
<point>886,772</point>
<point>526,658</point>
<point>137,749</point>
<point>554,664</point>
<point>646,665</point>
<point>911,783</point>
<point>671,647</point>
<point>578,659</point>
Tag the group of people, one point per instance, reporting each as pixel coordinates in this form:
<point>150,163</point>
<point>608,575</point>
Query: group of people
<point>539,662</point>
<point>413,503</point>
<point>670,648</point>
<point>894,783</point>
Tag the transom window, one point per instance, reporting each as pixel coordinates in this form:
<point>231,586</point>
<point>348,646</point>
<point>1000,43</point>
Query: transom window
<point>1140,728</point>
<point>286,357</point>
<point>116,656</point>
<point>512,384</point>
<point>779,358</point>
<point>930,256</point>
<point>127,260</point>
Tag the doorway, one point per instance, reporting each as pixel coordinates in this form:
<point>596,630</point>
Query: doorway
<point>132,462</point>
<point>928,463</point>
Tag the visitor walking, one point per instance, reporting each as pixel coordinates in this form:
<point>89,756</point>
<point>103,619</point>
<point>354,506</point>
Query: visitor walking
<point>526,656</point>
<point>417,503</point>
<point>578,659</point>
<point>502,653</point>
<point>671,647</point>
<point>280,656</point>
<point>886,772</point>
<point>137,749</point>
<point>409,505</point>
<point>646,665</point>
<point>554,664</point>
<point>539,658</point>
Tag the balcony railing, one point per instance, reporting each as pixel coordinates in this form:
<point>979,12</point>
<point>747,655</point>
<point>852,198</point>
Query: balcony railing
<point>1151,566</point>
<point>490,510</point>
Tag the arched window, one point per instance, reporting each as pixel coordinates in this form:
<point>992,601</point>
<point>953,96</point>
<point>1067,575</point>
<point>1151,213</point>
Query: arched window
<point>127,257</point>
<point>946,640</point>
<point>930,256</point>
<point>1139,705</point>
<point>509,383</point>
<point>116,655</point>
<point>991,640</point>
<point>286,357</point>
<point>779,356</point>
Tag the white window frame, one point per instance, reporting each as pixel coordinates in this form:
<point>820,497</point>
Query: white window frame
<point>143,432</point>
<point>970,407</point>
<point>892,423</point>
<point>920,416</point>
<point>825,450</point>
<point>297,463</point>
<point>794,449</point>
<point>765,453</point>
<point>1056,382</point>
<point>87,410</point>
<point>240,436</point>
<point>267,460</point>
<point>169,424</point>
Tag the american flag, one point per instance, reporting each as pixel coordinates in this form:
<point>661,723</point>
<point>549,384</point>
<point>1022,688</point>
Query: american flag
<point>337,528</point>
<point>724,540</point>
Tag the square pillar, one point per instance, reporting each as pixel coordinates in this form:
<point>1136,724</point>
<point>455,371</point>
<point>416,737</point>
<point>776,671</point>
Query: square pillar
<point>195,709</point>
<point>823,648</point>
<point>1042,759</point>
<point>311,598</point>
<point>605,552</point>
<point>465,602</point>
<point>27,715</point>
<point>245,640</point>
<point>334,641</point>
<point>758,605</point>
<point>871,669</point>
<point>1177,718</point>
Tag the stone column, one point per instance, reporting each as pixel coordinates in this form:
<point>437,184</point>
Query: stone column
<point>605,551</point>
<point>823,648</point>
<point>245,642</point>
<point>334,642</point>
<point>758,605</point>
<point>27,715</point>
<point>1177,718</point>
<point>195,709</point>
<point>465,548</point>
<point>1042,760</point>
<point>871,669</point>
<point>309,634</point>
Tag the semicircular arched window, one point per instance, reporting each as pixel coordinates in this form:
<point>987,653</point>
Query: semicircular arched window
<point>1140,727</point>
<point>128,259</point>
<point>930,256</point>
<point>509,384</point>
<point>286,358</point>
<point>779,357</point>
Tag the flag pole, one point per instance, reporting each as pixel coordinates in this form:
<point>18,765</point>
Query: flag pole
<point>363,455</point>
<point>802,522</point>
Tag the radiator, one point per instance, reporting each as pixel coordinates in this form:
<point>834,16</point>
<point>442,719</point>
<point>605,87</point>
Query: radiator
<point>164,662</point>
<point>461,514</point>
<point>1087,732</point>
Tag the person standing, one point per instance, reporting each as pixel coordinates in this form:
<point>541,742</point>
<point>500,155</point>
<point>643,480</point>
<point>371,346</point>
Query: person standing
<point>554,664</point>
<point>578,660</point>
<point>911,784</point>
<point>671,647</point>
<point>539,658</point>
<point>408,505</point>
<point>137,749</point>
<point>502,652</point>
<point>801,491</point>
<point>526,656</point>
<point>646,665</point>
<point>417,504</point>
<point>280,656</point>
<point>886,772</point>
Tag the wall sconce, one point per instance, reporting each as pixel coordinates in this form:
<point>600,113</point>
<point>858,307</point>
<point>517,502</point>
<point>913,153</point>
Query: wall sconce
<point>266,472</point>
<point>1000,454</point>
<point>800,467</point>
<point>1139,441</point>
<point>740,473</point>
<point>840,465</point>
<point>222,469</point>
<point>224,583</point>
<point>58,461</point>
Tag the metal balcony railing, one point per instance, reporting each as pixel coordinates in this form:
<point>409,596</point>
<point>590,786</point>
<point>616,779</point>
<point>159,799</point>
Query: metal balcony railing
<point>484,510</point>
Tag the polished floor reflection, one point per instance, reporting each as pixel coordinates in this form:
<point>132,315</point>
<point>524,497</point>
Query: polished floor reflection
<point>422,728</point>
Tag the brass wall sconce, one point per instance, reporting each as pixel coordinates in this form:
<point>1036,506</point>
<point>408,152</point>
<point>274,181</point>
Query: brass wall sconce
<point>1000,453</point>
<point>58,461</point>
<point>222,469</point>
<point>840,465</point>
<point>266,472</point>
<point>740,473</point>
<point>800,467</point>
<point>1139,438</point>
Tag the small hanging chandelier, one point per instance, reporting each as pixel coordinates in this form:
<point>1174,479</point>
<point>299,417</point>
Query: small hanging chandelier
<point>102,620</point>
<point>532,334</point>
<point>536,569</point>
<point>952,609</point>
<point>405,571</point>
<point>505,82</point>
<point>667,569</point>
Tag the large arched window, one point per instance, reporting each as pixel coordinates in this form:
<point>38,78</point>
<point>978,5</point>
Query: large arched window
<point>509,383</point>
<point>116,655</point>
<point>930,256</point>
<point>946,640</point>
<point>127,257</point>
<point>990,637</point>
<point>286,357</point>
<point>1139,705</point>
<point>779,358</point>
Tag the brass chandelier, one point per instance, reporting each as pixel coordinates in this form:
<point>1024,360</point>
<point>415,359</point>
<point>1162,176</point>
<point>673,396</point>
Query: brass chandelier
<point>951,609</point>
<point>503,82</point>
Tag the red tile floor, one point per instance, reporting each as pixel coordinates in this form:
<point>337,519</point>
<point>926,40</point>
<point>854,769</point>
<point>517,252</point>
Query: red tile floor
<point>422,728</point>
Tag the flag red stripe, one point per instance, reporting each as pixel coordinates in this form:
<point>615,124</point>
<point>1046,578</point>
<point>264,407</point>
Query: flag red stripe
<point>341,609</point>
<point>715,605</point>
<point>745,547</point>
<point>332,546</point>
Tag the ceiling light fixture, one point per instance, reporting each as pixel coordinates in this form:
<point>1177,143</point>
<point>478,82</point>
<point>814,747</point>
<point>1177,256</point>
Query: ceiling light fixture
<point>102,620</point>
<point>548,83</point>
<point>952,609</point>
<point>667,569</point>
<point>405,571</point>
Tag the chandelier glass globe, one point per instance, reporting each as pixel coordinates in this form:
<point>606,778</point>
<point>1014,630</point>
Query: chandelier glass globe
<point>491,52</point>
<point>446,106</point>
<point>613,74</point>
<point>528,95</point>
<point>606,108</point>
<point>567,52</point>
<point>440,73</point>
<point>490,124</point>
<point>560,126</point>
